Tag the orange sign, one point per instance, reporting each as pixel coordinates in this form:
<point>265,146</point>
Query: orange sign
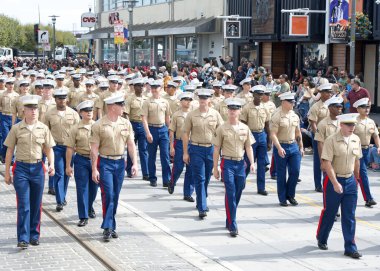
<point>299,25</point>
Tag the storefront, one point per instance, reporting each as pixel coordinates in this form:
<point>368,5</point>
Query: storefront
<point>186,49</point>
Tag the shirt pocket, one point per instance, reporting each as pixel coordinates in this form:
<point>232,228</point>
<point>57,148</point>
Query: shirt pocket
<point>70,120</point>
<point>243,136</point>
<point>197,122</point>
<point>211,123</point>
<point>356,152</point>
<point>371,129</point>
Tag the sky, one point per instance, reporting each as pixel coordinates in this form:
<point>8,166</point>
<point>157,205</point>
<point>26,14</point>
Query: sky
<point>26,11</point>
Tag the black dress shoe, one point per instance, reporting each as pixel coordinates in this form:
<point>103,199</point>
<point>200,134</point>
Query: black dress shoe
<point>114,234</point>
<point>202,214</point>
<point>234,233</point>
<point>370,203</point>
<point>171,189</point>
<point>165,185</point>
<point>262,192</point>
<point>34,242</point>
<point>354,255</point>
<point>64,203</point>
<point>322,246</point>
<point>267,168</point>
<point>107,234</point>
<point>82,222</point>
<point>188,198</point>
<point>129,175</point>
<point>22,245</point>
<point>337,215</point>
<point>146,178</point>
<point>284,204</point>
<point>91,213</point>
<point>319,190</point>
<point>153,184</point>
<point>299,180</point>
<point>59,207</point>
<point>273,177</point>
<point>51,192</point>
<point>293,201</point>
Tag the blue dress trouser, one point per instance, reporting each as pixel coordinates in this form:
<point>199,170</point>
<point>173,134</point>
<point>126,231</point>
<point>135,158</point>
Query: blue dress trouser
<point>332,200</point>
<point>86,188</point>
<point>28,180</point>
<point>364,181</point>
<point>316,164</point>
<point>140,139</point>
<point>178,164</point>
<point>6,125</point>
<point>234,183</point>
<point>111,180</point>
<point>292,162</point>
<point>61,180</point>
<point>160,138</point>
<point>261,157</point>
<point>201,164</point>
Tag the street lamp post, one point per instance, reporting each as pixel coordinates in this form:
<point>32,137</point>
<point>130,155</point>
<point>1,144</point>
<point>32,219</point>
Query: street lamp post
<point>54,19</point>
<point>131,5</point>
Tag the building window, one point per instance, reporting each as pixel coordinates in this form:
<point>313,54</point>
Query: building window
<point>143,53</point>
<point>186,49</point>
<point>314,58</point>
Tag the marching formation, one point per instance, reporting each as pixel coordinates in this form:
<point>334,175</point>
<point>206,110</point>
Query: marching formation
<point>79,123</point>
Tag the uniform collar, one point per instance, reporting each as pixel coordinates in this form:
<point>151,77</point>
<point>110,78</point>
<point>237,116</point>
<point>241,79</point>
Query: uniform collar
<point>23,124</point>
<point>341,138</point>
<point>86,126</point>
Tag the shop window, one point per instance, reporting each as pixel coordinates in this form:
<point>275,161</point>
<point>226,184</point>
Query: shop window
<point>143,52</point>
<point>186,49</point>
<point>314,58</point>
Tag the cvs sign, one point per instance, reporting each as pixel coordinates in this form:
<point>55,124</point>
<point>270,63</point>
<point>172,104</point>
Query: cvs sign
<point>88,19</point>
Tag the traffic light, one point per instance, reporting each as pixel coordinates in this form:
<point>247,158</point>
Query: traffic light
<point>36,29</point>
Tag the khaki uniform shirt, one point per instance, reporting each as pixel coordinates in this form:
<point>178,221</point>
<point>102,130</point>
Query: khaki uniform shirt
<point>6,102</point>
<point>87,97</point>
<point>133,107</point>
<point>69,83</point>
<point>270,106</point>
<point>365,129</point>
<point>155,110</point>
<point>318,112</point>
<point>74,96</point>
<point>248,97</point>
<point>173,102</point>
<point>60,126</point>
<point>177,122</point>
<point>233,142</point>
<point>79,138</point>
<point>18,107</point>
<point>326,128</point>
<point>29,143</point>
<point>284,125</point>
<point>202,126</point>
<point>43,107</point>
<point>342,155</point>
<point>111,136</point>
<point>255,116</point>
<point>216,100</point>
<point>222,109</point>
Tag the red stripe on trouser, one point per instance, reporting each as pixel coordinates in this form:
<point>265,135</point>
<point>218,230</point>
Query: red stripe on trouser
<point>325,182</point>
<point>360,181</point>
<point>39,220</point>
<point>172,175</point>
<point>44,168</point>
<point>14,168</point>
<point>103,194</point>
<point>228,214</point>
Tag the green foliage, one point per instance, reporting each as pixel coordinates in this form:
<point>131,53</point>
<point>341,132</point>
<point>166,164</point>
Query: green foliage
<point>14,34</point>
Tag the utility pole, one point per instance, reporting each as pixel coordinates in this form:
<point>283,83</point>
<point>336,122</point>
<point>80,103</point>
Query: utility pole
<point>353,37</point>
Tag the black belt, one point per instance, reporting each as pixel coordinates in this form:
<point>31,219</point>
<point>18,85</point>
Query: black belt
<point>87,156</point>
<point>201,144</point>
<point>36,161</point>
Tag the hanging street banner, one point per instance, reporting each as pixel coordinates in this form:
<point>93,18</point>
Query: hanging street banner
<point>118,32</point>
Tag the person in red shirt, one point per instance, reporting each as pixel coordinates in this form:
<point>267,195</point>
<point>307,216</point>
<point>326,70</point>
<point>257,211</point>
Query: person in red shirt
<point>355,94</point>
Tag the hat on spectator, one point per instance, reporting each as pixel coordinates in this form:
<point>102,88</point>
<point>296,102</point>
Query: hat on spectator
<point>228,72</point>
